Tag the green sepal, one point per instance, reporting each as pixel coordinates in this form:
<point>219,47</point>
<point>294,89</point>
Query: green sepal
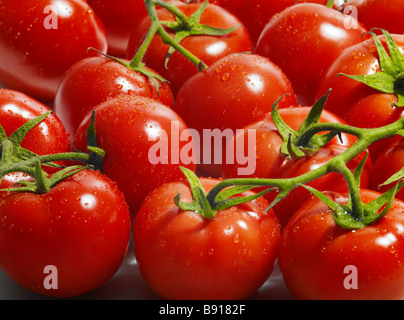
<point>292,146</point>
<point>391,77</point>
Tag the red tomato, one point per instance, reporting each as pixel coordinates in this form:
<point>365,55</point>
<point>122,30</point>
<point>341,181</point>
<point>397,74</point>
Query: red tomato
<point>183,255</point>
<point>119,21</point>
<point>379,13</point>
<point>355,102</point>
<point>80,228</point>
<point>269,162</point>
<point>389,162</point>
<point>207,48</point>
<point>41,39</point>
<point>93,80</point>
<point>50,136</point>
<point>233,92</point>
<point>320,260</point>
<point>296,40</point>
<point>140,137</point>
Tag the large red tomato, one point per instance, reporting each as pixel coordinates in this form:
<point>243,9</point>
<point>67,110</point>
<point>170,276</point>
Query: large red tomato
<point>41,39</point>
<point>304,40</point>
<point>321,260</point>
<point>93,80</point>
<point>80,229</point>
<point>233,92</point>
<point>144,142</point>
<point>183,255</point>
<point>205,47</point>
<point>358,104</point>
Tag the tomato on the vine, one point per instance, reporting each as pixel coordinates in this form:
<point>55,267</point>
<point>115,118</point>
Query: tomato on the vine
<point>355,102</point>
<point>141,140</point>
<point>41,39</point>
<point>207,48</point>
<point>183,255</point>
<point>231,93</point>
<point>50,136</point>
<point>320,260</point>
<point>80,229</point>
<point>96,79</point>
<point>304,40</point>
<point>270,163</point>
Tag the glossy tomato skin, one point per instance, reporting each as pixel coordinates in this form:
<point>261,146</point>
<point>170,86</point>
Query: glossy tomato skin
<point>182,255</point>
<point>81,227</point>
<point>356,103</point>
<point>269,162</point>
<point>320,260</point>
<point>297,38</point>
<point>93,80</point>
<point>35,52</point>
<point>135,133</point>
<point>50,136</point>
<point>119,20</point>
<point>207,48</point>
<point>233,92</point>
<point>389,162</point>
<point>379,13</point>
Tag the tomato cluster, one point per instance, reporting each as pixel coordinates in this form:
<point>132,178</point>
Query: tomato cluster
<point>165,100</point>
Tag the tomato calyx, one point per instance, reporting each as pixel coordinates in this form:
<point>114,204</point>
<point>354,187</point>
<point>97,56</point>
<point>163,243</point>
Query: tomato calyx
<point>14,158</point>
<point>208,206</point>
<point>391,77</point>
<point>293,145</point>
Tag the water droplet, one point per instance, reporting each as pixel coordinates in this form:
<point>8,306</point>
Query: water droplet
<point>225,77</point>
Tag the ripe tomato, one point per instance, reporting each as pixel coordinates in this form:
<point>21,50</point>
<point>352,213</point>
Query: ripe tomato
<point>269,162</point>
<point>50,136</point>
<point>41,39</point>
<point>207,48</point>
<point>379,13</point>
<point>296,40</point>
<point>92,80</point>
<point>233,92</point>
<point>389,162</point>
<point>80,228</point>
<point>141,138</point>
<point>119,21</point>
<point>355,102</point>
<point>183,255</point>
<point>320,260</point>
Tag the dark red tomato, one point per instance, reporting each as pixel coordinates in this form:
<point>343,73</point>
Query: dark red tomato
<point>389,162</point>
<point>80,229</point>
<point>233,92</point>
<point>48,137</point>
<point>183,255</point>
<point>119,21</point>
<point>355,102</point>
<point>304,40</point>
<point>207,48</point>
<point>385,14</point>
<point>320,260</point>
<point>144,142</point>
<point>93,80</point>
<point>265,157</point>
<point>41,39</point>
